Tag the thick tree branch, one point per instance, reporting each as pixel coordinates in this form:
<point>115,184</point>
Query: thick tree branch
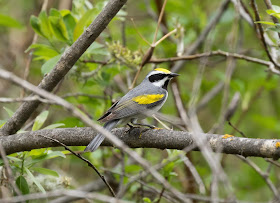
<point>160,139</point>
<point>67,60</point>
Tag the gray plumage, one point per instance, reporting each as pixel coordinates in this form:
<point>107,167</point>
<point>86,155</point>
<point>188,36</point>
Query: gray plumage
<point>126,110</point>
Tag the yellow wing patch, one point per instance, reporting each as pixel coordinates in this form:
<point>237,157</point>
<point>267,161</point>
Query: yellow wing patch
<point>163,70</point>
<point>148,98</point>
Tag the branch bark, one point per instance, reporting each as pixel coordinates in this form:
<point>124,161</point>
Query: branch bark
<point>160,139</point>
<point>66,62</point>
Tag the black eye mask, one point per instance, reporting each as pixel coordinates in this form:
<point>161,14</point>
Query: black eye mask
<point>157,77</point>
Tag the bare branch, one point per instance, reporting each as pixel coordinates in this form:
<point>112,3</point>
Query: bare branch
<point>75,112</point>
<point>260,29</point>
<point>67,60</point>
<point>212,23</point>
<point>85,160</point>
<point>212,53</point>
<point>32,98</point>
<point>263,175</point>
<point>59,193</point>
<point>160,139</point>
<point>9,170</point>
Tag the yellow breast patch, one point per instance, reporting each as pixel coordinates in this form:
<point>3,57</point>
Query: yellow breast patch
<point>163,70</point>
<point>148,98</point>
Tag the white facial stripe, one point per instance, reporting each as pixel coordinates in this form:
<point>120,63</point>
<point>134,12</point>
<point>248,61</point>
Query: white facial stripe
<point>160,83</point>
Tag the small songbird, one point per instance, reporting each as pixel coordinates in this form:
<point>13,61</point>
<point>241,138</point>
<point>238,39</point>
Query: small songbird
<point>141,102</point>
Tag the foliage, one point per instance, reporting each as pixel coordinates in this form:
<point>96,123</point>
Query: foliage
<point>275,12</point>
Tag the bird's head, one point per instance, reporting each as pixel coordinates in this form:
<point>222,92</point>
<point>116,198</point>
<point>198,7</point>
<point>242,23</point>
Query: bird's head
<point>160,77</point>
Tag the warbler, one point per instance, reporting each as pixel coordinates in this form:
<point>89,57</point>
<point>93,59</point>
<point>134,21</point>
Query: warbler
<point>140,102</point>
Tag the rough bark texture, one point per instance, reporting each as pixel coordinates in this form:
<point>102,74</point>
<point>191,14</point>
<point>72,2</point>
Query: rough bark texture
<point>66,62</point>
<point>160,139</point>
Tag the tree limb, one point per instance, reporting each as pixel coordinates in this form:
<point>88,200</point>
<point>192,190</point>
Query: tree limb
<point>67,60</point>
<point>160,139</point>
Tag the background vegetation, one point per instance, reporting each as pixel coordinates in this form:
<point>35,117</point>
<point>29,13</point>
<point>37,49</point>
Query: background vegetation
<point>34,35</point>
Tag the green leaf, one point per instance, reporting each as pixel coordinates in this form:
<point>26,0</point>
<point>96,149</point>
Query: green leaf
<point>34,180</point>
<point>44,51</point>
<point>265,22</point>
<point>49,65</point>
<point>35,153</point>
<point>22,185</point>
<point>35,24</point>
<point>45,25</point>
<point>49,155</point>
<point>9,111</point>
<point>14,159</point>
<point>276,8</point>
<point>84,22</point>
<point>54,154</point>
<point>269,11</point>
<point>70,23</point>
<point>53,126</point>
<point>45,171</point>
<point>64,12</point>
<point>147,200</point>
<point>2,122</point>
<point>274,29</point>
<point>58,28</point>
<point>7,21</point>
<point>277,15</point>
<point>39,121</point>
<point>54,12</point>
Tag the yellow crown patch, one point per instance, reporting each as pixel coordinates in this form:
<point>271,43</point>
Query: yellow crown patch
<point>148,98</point>
<point>163,70</point>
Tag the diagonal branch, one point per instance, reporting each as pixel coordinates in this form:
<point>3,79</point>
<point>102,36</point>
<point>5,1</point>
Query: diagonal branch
<point>66,62</point>
<point>260,29</point>
<point>75,112</point>
<point>85,160</point>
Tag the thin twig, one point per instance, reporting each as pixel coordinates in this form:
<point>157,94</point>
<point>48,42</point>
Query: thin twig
<point>212,53</point>
<point>64,65</point>
<point>59,193</point>
<point>30,56</point>
<point>159,21</point>
<point>262,174</point>
<point>273,162</point>
<point>9,170</point>
<point>143,38</point>
<point>260,28</point>
<point>33,98</point>
<point>194,173</point>
<point>201,38</point>
<point>165,126</point>
<point>95,61</point>
<point>274,19</point>
<point>85,160</point>
<point>75,112</point>
<point>78,94</point>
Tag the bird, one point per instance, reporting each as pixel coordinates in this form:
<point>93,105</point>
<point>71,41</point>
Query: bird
<point>140,102</point>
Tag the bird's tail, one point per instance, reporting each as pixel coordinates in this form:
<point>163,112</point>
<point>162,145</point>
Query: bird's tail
<point>96,142</point>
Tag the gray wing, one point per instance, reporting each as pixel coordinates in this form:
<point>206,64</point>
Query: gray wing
<point>126,107</point>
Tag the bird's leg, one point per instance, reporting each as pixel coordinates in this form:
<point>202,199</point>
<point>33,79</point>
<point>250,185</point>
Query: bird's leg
<point>131,127</point>
<point>140,124</point>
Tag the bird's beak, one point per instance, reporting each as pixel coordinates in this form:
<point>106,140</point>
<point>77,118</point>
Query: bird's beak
<point>174,75</point>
